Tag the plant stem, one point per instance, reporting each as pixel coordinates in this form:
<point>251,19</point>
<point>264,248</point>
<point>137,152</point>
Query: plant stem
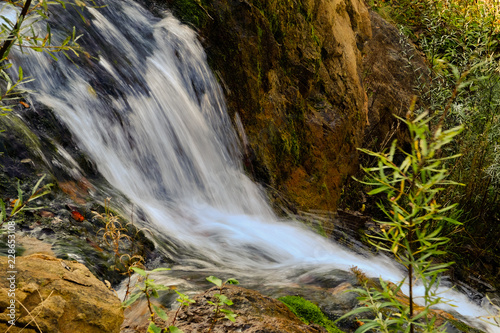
<point>12,36</point>
<point>214,319</point>
<point>149,306</point>
<point>175,316</point>
<point>410,278</point>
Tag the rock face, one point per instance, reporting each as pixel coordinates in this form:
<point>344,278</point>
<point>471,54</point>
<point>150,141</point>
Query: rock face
<point>392,68</point>
<point>62,296</point>
<point>291,70</point>
<point>256,313</point>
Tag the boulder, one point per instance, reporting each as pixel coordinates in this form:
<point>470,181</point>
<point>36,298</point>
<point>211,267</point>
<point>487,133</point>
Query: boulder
<point>255,313</point>
<point>54,295</point>
<point>292,75</point>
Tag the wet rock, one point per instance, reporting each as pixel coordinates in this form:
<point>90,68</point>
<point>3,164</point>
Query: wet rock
<point>62,298</point>
<point>292,72</point>
<point>256,313</point>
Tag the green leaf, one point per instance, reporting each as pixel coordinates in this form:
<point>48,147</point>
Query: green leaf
<point>214,280</point>
<point>174,329</point>
<point>3,213</point>
<point>19,193</point>
<point>152,328</point>
<point>139,271</point>
<point>35,188</point>
<point>49,40</point>
<point>66,41</point>
<point>224,299</point>
<point>159,311</point>
<point>232,281</point>
<point>354,311</point>
<point>52,56</point>
<point>366,327</point>
<point>378,190</point>
<point>229,315</point>
<point>131,300</point>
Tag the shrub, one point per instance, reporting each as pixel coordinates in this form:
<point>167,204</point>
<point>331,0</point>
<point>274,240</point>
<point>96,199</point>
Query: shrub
<point>412,229</point>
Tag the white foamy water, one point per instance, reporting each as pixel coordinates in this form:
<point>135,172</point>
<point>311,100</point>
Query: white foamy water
<point>150,114</point>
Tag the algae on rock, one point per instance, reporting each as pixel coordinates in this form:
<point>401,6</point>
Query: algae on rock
<point>291,70</point>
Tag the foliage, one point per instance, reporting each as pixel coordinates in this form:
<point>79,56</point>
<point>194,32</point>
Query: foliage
<point>20,204</point>
<point>309,312</point>
<point>460,39</point>
<point>221,301</point>
<point>21,26</point>
<point>191,11</point>
<point>149,289</point>
<point>412,231</point>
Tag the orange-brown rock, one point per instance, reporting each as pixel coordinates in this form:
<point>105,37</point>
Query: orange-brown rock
<point>292,71</point>
<point>56,296</point>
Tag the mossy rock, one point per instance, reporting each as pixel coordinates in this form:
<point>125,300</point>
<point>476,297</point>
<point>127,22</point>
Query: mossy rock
<point>309,313</point>
<point>462,327</point>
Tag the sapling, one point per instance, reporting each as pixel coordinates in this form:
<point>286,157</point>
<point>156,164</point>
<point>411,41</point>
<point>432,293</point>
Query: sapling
<point>412,229</point>
<point>150,288</point>
<point>221,301</point>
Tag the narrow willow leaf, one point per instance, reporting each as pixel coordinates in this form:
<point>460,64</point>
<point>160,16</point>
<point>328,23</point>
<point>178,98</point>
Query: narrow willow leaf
<point>131,300</point>
<point>3,213</point>
<point>378,190</point>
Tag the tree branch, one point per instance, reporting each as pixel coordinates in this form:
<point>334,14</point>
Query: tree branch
<point>4,51</point>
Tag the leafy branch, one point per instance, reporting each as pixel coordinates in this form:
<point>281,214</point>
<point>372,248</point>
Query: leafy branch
<point>412,231</point>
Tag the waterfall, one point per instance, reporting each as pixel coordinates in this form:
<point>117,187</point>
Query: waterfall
<point>148,111</point>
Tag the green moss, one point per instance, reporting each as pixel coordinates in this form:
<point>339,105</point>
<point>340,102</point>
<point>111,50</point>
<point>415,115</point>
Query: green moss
<point>463,327</point>
<point>309,313</point>
<point>190,11</point>
<point>16,126</point>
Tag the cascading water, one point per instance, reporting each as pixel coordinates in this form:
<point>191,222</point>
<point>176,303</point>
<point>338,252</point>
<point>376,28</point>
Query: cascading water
<point>150,114</point>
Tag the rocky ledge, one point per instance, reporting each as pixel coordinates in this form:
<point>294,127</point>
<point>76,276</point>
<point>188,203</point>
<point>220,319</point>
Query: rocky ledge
<point>53,295</point>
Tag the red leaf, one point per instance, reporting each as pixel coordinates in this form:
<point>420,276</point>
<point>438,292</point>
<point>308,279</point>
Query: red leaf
<point>77,216</point>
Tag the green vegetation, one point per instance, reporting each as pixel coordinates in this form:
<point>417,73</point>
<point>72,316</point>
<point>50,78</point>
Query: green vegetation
<point>463,327</point>
<point>221,301</point>
<point>20,32</point>
<point>191,11</point>
<point>20,204</point>
<point>149,289</point>
<point>412,231</point>
<point>309,313</point>
<point>460,39</point>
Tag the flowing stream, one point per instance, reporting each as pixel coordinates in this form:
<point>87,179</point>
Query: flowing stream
<point>148,111</point>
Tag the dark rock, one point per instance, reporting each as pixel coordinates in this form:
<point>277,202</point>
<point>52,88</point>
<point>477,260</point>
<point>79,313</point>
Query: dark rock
<point>394,71</point>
